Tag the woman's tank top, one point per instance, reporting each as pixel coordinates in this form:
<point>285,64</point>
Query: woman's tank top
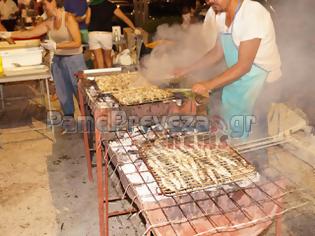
<point>61,35</point>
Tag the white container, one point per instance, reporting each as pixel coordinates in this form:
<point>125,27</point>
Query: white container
<point>21,57</point>
<point>116,32</point>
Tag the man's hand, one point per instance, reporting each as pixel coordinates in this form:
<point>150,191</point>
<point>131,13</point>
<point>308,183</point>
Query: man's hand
<point>200,89</point>
<point>5,34</point>
<point>49,45</point>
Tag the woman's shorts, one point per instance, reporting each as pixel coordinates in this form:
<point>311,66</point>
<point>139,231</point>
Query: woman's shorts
<point>100,39</point>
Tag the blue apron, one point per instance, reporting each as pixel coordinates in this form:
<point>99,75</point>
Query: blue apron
<point>239,97</point>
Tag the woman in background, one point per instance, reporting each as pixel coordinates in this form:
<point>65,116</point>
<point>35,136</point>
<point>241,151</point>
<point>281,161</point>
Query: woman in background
<point>80,10</point>
<point>65,42</point>
<point>100,30</point>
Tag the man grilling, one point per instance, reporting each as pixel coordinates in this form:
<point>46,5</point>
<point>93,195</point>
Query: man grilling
<point>247,41</point>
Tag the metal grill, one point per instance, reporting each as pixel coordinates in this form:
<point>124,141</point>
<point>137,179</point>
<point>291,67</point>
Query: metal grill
<point>114,82</point>
<point>177,102</point>
<point>130,89</point>
<point>144,95</point>
<point>180,168</point>
<point>239,210</point>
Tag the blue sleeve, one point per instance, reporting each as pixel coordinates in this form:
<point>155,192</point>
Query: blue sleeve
<point>66,5</point>
<point>85,5</point>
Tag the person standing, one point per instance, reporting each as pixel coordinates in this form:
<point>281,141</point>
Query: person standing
<point>248,44</point>
<point>100,30</point>
<point>65,42</point>
<point>80,10</point>
<point>8,14</point>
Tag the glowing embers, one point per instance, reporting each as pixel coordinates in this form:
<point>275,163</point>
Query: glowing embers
<point>181,166</point>
<point>142,95</point>
<point>116,82</point>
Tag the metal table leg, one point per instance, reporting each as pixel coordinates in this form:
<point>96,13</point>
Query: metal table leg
<point>2,97</point>
<point>49,108</point>
<point>42,91</point>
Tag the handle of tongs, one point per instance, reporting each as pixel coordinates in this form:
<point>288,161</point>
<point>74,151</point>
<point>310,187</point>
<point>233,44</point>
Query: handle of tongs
<point>201,99</point>
<point>173,78</point>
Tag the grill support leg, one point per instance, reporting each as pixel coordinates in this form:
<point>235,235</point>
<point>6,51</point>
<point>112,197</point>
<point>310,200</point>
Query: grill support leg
<point>85,134</point>
<point>100,186</point>
<point>106,193</point>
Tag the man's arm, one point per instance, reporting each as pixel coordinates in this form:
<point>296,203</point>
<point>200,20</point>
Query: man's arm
<point>88,16</point>
<point>80,19</point>
<point>124,18</point>
<point>247,53</point>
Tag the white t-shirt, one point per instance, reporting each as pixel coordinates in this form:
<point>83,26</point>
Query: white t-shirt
<point>210,31</point>
<point>254,21</point>
<point>7,8</point>
<point>210,16</point>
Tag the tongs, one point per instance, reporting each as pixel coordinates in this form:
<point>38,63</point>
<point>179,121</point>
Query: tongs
<point>172,78</point>
<point>199,99</point>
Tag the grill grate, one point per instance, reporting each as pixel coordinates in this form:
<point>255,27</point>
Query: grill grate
<point>116,82</point>
<point>137,96</point>
<point>239,210</point>
<point>180,168</point>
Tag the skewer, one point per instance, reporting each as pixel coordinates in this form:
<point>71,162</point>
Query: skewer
<point>258,144</point>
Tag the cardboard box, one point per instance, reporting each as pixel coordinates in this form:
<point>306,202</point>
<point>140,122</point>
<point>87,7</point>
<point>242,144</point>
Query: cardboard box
<point>22,57</point>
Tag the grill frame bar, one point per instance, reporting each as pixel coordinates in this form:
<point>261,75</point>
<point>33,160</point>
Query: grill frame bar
<point>216,229</point>
<point>102,146</point>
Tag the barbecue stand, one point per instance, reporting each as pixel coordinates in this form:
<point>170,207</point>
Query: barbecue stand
<point>234,209</point>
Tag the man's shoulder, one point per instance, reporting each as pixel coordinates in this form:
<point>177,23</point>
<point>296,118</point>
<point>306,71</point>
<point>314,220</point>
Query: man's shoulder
<point>254,7</point>
<point>209,15</point>
<point>253,11</point>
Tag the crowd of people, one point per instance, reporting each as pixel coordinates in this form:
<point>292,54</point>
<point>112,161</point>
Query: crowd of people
<point>94,20</point>
<point>66,24</point>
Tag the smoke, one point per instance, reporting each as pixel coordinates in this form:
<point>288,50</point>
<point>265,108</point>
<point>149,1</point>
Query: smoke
<point>180,47</point>
<point>295,38</point>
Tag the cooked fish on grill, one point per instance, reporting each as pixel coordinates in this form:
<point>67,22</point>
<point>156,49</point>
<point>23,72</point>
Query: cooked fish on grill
<point>116,82</point>
<point>141,95</point>
<point>184,168</point>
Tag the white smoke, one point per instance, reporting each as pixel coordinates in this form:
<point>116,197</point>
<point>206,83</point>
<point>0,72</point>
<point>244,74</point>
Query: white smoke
<point>180,47</point>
